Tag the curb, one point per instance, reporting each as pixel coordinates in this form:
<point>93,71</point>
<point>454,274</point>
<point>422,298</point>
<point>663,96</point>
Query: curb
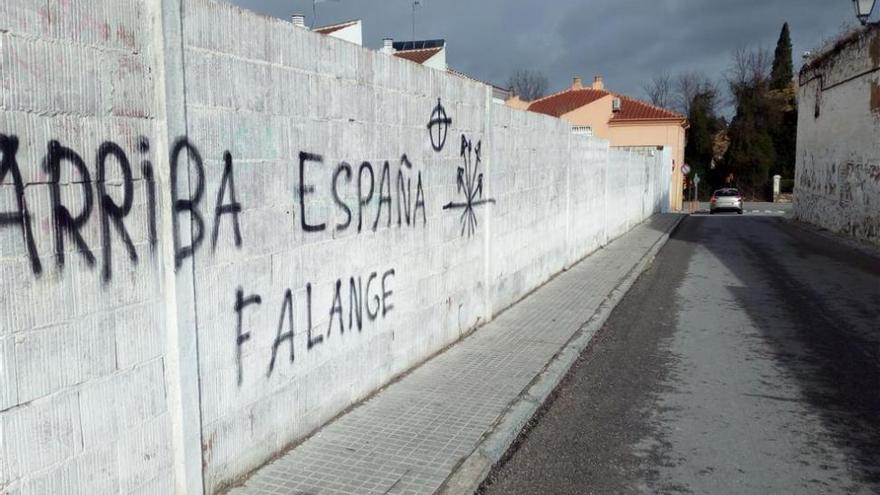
<point>474,469</point>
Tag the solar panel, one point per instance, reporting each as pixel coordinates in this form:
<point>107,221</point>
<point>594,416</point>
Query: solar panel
<point>418,45</point>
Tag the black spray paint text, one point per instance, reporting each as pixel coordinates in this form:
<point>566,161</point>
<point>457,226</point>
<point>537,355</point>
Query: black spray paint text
<point>397,192</point>
<point>356,301</point>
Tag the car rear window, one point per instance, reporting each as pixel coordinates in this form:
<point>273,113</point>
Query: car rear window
<point>727,192</point>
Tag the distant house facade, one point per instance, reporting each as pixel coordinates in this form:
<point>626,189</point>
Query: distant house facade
<point>351,31</point>
<point>625,122</point>
<point>430,53</point>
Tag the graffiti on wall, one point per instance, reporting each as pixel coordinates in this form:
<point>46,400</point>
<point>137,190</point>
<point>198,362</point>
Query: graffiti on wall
<point>469,186</point>
<point>366,197</point>
<point>68,226</point>
<point>396,193</point>
<point>438,126</point>
<point>355,302</point>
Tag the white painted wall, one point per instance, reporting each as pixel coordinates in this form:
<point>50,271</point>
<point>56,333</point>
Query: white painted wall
<point>837,178</point>
<point>352,33</point>
<point>155,380</point>
<point>83,400</point>
<point>438,61</point>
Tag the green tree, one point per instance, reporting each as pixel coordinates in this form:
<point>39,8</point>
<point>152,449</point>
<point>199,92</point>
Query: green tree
<point>704,126</point>
<point>782,74</point>
<point>751,154</point>
<point>783,92</point>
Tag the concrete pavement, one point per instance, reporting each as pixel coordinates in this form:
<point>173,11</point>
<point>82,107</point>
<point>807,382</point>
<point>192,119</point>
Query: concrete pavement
<point>745,360</point>
<point>443,426</point>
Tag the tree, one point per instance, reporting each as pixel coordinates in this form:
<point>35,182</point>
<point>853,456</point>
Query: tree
<point>751,153</point>
<point>783,72</point>
<point>783,91</point>
<point>527,84</point>
<point>659,90</point>
<point>704,127</point>
<point>748,68</point>
<point>687,86</point>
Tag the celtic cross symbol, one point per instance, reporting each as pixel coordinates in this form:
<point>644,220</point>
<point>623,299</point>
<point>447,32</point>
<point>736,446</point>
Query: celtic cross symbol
<point>438,126</point>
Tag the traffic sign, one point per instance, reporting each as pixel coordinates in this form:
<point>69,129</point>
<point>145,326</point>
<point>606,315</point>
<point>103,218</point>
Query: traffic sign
<point>685,169</point>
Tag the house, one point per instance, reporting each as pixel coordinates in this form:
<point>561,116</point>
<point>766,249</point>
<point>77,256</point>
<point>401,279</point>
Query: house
<point>625,122</point>
<point>430,53</point>
<point>351,31</point>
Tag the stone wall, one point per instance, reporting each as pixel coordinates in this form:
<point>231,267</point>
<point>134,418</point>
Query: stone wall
<point>837,179</point>
<point>217,231</point>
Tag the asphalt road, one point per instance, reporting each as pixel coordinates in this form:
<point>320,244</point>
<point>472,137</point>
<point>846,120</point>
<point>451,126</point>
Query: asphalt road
<point>745,360</point>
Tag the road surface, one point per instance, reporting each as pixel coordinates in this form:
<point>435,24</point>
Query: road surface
<point>745,360</point>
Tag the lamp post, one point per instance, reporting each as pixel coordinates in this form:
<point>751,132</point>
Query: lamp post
<point>863,9</point>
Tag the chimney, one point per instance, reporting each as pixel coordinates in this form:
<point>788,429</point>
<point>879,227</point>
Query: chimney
<point>597,83</point>
<point>387,45</point>
<point>299,20</point>
<point>577,84</point>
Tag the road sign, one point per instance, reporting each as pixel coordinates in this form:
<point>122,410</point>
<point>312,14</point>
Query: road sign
<point>685,169</point>
<point>697,179</point>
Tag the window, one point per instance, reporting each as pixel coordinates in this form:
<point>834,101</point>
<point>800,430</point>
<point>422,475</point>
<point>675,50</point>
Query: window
<point>582,130</point>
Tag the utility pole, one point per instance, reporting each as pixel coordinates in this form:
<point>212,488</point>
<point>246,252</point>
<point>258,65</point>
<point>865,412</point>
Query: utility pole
<point>415,4</point>
<point>314,12</point>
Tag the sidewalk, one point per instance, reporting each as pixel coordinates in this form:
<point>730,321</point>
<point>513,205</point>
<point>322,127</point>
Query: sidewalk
<point>443,426</point>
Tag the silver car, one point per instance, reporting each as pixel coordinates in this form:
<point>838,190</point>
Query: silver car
<point>728,199</point>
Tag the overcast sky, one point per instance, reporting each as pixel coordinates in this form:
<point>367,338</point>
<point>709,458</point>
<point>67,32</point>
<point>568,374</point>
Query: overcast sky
<point>627,41</point>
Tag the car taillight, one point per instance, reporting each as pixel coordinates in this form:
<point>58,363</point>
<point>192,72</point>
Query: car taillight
<point>714,199</point>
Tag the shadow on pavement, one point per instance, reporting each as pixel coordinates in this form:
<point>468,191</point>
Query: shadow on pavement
<point>822,318</point>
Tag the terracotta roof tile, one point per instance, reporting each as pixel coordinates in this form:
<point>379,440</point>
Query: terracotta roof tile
<point>561,103</point>
<point>418,56</point>
<point>334,27</point>
<point>632,109</point>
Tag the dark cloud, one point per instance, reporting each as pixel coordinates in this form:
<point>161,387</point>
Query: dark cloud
<point>627,41</point>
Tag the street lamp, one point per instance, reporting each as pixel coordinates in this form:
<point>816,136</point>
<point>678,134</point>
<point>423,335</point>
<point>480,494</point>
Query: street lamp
<point>863,9</point>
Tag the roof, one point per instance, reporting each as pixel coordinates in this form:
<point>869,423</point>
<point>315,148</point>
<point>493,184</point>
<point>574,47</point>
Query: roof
<point>561,103</point>
<point>418,56</point>
<point>418,45</point>
<point>631,109</point>
<point>335,27</point>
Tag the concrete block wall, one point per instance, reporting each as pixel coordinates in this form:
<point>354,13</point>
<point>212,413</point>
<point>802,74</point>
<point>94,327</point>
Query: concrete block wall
<point>82,335</point>
<point>308,218</point>
<point>332,162</point>
<point>837,175</point>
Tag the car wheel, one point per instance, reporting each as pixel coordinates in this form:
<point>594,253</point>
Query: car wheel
<point>740,211</point>
<point>711,212</point>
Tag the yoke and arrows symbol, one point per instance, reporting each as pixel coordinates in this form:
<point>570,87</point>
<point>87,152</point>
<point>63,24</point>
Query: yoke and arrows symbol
<point>470,183</point>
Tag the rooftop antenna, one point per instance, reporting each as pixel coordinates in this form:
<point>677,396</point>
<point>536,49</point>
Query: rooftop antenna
<point>415,4</point>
